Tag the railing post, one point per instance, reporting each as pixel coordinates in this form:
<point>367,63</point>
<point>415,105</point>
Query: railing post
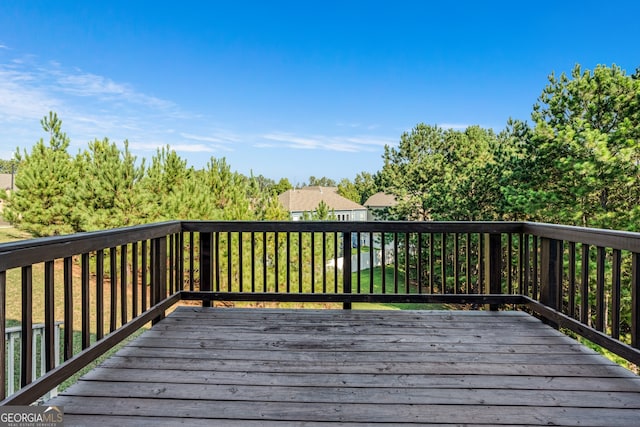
<point>551,273</point>
<point>3,316</point>
<point>159,272</point>
<point>635,300</point>
<point>346,267</point>
<point>493,266</point>
<point>205,265</point>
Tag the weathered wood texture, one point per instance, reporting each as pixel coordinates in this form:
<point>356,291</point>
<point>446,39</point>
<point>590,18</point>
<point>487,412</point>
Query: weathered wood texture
<point>254,367</point>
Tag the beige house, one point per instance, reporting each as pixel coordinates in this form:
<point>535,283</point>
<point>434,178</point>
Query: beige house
<point>6,181</point>
<point>306,200</point>
<point>378,204</point>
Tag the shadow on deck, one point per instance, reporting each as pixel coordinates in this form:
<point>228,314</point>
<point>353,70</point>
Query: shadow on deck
<point>248,367</point>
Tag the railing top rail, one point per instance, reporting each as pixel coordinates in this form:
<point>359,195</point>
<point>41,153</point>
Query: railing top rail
<point>357,226</point>
<point>625,240</point>
<point>32,251</point>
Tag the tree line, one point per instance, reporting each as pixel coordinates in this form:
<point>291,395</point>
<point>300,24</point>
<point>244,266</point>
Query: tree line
<point>105,187</point>
<point>576,162</point>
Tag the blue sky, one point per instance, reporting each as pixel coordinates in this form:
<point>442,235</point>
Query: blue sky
<point>289,89</point>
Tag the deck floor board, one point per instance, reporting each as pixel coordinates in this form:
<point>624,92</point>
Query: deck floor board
<point>250,367</point>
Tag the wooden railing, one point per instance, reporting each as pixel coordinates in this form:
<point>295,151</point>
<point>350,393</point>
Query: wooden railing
<point>106,285</point>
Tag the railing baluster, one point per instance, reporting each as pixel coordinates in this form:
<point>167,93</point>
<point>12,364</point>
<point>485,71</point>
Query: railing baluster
<point>313,263</point>
<point>432,264</point>
<point>276,264</point>
<point>535,269</point>
<point>509,263</point>
<point>113,286</point>
<point>49,318</point>
<point>237,284</point>
<point>86,315</point>
<point>635,300</point>
<point>143,280</point>
<point>396,261</point>
<point>172,284</point>
<point>585,309</point>
<point>253,261</point>
<point>371,262</point>
<point>324,262</point>
<point>616,262</point>
<point>191,261</point>
<point>179,253</point>
<point>527,267</point>
<point>205,253</point>
<point>456,263</point>
<point>134,280</point>
<point>99,294</point>
<point>493,268</point>
<point>467,267</point>
<point>68,308</point>
<point>383,260</point>
<point>335,262</point>
<point>346,268</point>
<point>123,285</point>
<point>300,263</point>
<point>229,261</point>
<point>216,259</point>
<point>443,262</point>
<point>572,280</point>
<point>600,303</point>
<point>26,364</point>
<point>407,278</point>
<point>288,261</point>
<point>264,261</point>
<point>358,263</point>
<point>419,264</point>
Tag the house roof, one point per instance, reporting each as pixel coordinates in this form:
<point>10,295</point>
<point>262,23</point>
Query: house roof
<point>307,199</point>
<point>381,199</point>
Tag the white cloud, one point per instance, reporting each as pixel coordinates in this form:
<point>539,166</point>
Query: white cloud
<point>20,99</point>
<point>193,148</point>
<point>331,143</point>
<point>201,138</point>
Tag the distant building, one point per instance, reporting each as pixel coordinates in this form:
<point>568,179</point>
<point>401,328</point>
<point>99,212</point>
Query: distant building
<point>306,200</point>
<point>7,181</point>
<point>378,205</point>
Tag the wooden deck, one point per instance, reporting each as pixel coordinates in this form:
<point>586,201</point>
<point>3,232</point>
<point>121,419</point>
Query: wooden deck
<point>250,367</point>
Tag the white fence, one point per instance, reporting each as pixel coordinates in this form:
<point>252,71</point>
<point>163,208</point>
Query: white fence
<point>13,337</point>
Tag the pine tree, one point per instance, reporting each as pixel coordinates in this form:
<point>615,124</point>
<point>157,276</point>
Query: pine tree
<point>109,193</point>
<point>43,203</point>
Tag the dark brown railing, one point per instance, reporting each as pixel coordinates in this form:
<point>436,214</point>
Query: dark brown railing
<point>116,281</point>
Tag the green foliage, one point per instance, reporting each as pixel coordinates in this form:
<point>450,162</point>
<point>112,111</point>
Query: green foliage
<point>362,187</point>
<point>8,166</point>
<point>348,190</point>
<point>322,213</point>
<point>582,156</point>
<point>320,182</point>
<point>441,174</point>
<point>105,187</point>
<point>107,195</point>
<point>43,203</point>
<point>282,186</point>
